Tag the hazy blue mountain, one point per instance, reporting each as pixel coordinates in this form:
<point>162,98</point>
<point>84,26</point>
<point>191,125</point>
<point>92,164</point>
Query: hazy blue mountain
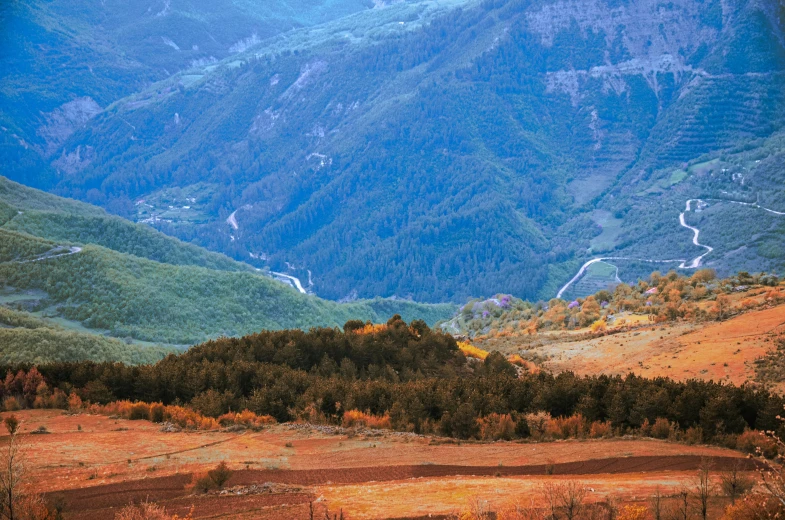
<point>437,150</point>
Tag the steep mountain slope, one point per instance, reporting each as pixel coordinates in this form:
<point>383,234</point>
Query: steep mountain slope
<point>442,150</point>
<point>64,61</point>
<point>97,273</point>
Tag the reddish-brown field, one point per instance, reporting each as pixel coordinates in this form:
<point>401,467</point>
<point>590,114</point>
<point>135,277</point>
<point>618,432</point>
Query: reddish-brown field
<point>96,465</point>
<point>719,351</point>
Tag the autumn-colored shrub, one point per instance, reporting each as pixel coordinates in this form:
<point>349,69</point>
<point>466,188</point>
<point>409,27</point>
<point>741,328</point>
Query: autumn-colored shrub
<point>600,430</point>
<point>74,402</point>
<point>245,418</point>
<point>181,416</point>
<point>693,435</point>
<point>371,328</point>
<point>470,350</point>
<point>757,443</point>
<point>157,412</point>
<point>599,325</point>
<point>572,427</point>
<point>496,427</point>
<point>148,511</point>
<point>58,400</point>
<point>220,474</point>
<point>755,507</point>
<point>203,484</point>
<point>661,429</point>
<point>353,418</point>
<point>139,411</point>
<point>10,404</point>
<point>516,359</point>
<point>538,424</point>
<point>633,512</point>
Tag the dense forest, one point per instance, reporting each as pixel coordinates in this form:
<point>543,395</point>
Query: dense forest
<point>380,163</point>
<point>416,379</point>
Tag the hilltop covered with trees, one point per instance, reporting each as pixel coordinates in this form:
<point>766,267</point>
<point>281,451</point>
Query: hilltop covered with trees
<point>412,378</point>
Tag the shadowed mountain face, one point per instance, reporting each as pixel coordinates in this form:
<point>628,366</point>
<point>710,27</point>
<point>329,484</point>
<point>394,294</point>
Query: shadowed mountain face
<point>416,149</point>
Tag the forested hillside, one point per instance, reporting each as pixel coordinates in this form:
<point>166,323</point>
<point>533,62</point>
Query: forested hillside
<point>411,378</point>
<point>74,270</point>
<point>448,150</point>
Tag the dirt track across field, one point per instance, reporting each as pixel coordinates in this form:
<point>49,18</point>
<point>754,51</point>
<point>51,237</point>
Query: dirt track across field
<point>173,491</point>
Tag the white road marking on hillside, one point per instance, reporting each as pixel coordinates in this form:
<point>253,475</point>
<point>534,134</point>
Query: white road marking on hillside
<point>232,221</point>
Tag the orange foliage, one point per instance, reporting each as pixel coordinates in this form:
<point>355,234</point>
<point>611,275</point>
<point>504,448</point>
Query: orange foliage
<point>245,418</point>
<point>358,418</point>
<point>470,350</point>
<point>371,328</point>
<point>633,512</point>
<point>496,426</point>
<point>755,507</point>
<point>757,443</point>
<point>567,427</point>
<point>179,415</point>
<point>600,430</point>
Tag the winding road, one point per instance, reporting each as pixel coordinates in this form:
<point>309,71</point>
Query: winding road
<point>46,256</point>
<point>683,264</point>
<point>295,281</point>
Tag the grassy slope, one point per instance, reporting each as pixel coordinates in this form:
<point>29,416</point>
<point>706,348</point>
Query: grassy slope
<point>25,338</point>
<point>178,294</point>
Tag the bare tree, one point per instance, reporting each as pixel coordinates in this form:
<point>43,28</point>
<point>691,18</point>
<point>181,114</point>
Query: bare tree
<point>681,511</point>
<point>734,484</point>
<point>704,489</point>
<point>611,507</point>
<point>12,469</point>
<point>572,496</point>
<point>656,504</point>
<point>549,492</point>
<point>567,498</point>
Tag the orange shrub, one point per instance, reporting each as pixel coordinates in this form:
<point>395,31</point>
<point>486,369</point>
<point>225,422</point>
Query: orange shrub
<point>357,418</point>
<point>600,430</point>
<point>10,404</point>
<point>139,411</point>
<point>496,426</point>
<point>157,411</point>
<point>74,402</point>
<point>757,443</point>
<point>371,328</point>
<point>572,427</point>
<point>599,325</point>
<point>661,429</point>
<point>470,350</point>
<point>245,418</point>
<point>755,506</point>
<point>516,359</point>
<point>633,512</point>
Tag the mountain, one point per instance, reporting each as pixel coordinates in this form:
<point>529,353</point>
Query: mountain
<point>441,150</point>
<point>69,268</point>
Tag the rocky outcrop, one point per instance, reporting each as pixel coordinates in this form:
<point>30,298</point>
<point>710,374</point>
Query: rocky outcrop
<point>63,121</point>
